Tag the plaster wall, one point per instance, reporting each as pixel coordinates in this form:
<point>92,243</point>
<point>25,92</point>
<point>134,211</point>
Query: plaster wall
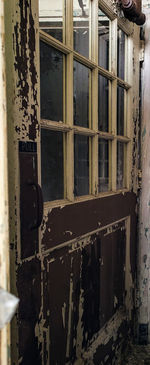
<point>144,219</point>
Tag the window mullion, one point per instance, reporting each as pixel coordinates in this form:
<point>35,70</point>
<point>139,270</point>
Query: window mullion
<point>94,31</point>
<point>113,103</point>
<point>69,167</point>
<point>69,23</point>
<point>94,97</point>
<point>113,108</point>
<point>113,47</point>
<point>126,58</point>
<point>94,147</point>
<point>70,135</point>
<point>129,116</point>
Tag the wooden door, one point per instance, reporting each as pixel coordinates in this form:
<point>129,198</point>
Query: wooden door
<point>76,273</point>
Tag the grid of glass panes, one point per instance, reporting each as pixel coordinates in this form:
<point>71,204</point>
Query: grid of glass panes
<point>78,86</point>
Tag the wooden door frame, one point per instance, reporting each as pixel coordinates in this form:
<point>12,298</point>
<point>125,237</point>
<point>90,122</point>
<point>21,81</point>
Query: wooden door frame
<point>4,230</point>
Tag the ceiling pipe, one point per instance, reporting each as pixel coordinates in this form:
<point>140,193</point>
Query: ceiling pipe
<point>132,11</point>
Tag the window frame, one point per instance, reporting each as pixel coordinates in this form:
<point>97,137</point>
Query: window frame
<point>67,126</point>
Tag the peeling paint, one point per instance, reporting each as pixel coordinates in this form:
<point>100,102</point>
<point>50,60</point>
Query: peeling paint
<point>66,279</point>
<point>63,313</point>
<point>80,328</point>
<point>26,84</point>
<point>146,232</point>
<point>144,133</point>
<point>107,334</point>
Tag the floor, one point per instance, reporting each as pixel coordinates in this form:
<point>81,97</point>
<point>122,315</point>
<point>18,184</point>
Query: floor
<point>138,355</point>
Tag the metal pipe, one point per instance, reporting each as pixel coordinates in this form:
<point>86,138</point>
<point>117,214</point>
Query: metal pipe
<point>132,11</point>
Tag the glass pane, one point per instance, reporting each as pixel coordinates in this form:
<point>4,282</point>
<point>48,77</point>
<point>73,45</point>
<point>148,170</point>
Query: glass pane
<point>103,40</point>
<point>121,54</point>
<point>51,82</point>
<point>52,165</point>
<point>51,17</point>
<point>81,26</point>
<point>103,104</point>
<point>120,111</point>
<point>81,95</point>
<point>81,165</point>
<point>103,165</point>
<point>120,165</point>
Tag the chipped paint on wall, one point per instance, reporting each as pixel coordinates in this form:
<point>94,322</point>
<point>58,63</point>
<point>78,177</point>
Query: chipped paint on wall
<point>144,224</point>
<point>135,126</point>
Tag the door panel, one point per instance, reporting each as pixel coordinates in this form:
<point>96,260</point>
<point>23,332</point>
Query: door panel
<point>81,218</point>
<point>84,287</point>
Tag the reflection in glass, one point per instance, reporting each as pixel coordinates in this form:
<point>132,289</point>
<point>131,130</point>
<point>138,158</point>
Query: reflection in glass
<point>81,26</point>
<point>120,165</point>
<point>103,40</point>
<point>51,17</point>
<point>52,165</point>
<point>81,165</point>
<point>81,95</point>
<point>51,83</point>
<point>103,103</point>
<point>120,111</point>
<point>121,54</point>
<point>103,165</point>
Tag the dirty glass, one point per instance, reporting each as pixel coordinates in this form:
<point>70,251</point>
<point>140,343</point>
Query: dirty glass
<point>81,95</point>
<point>52,165</point>
<point>103,40</point>
<point>120,165</point>
<point>120,111</point>
<point>51,17</point>
<point>81,26</point>
<point>103,104</point>
<point>103,165</point>
<point>81,165</point>
<point>51,83</point>
<point>121,54</point>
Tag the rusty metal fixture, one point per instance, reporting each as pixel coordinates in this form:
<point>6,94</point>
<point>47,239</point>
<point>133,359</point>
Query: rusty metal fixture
<point>132,11</point>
